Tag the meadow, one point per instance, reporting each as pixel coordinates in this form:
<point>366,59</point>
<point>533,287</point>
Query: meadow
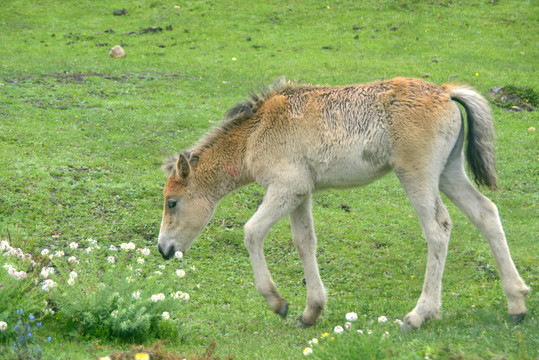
<point>83,137</point>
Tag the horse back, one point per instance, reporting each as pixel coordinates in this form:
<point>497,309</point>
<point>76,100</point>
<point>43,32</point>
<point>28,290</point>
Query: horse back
<point>351,135</point>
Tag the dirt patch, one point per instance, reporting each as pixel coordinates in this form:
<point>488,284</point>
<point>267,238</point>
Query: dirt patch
<point>158,352</point>
<point>514,98</point>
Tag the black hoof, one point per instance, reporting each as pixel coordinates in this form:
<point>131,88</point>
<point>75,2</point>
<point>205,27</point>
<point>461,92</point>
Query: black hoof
<point>518,317</point>
<point>301,325</point>
<point>406,327</point>
<point>283,310</point>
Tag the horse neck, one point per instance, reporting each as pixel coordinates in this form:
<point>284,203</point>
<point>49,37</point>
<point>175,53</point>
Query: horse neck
<point>220,166</point>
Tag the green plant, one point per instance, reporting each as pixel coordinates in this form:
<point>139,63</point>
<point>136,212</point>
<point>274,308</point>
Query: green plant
<point>114,293</point>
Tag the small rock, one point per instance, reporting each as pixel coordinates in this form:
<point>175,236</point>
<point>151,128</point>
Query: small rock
<point>120,12</point>
<point>425,76</point>
<point>117,52</point>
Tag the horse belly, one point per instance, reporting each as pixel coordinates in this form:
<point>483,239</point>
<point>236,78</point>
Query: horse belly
<point>352,168</point>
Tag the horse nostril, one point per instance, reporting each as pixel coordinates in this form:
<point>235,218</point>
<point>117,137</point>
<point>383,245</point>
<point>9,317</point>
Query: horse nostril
<point>166,253</point>
<point>171,203</point>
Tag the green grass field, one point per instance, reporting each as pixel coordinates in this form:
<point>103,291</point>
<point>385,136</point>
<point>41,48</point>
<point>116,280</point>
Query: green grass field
<point>83,137</point>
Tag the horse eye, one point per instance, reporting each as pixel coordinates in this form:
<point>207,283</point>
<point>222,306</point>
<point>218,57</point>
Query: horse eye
<point>171,203</point>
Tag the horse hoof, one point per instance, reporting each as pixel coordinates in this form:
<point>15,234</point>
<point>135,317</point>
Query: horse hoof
<point>406,327</point>
<point>301,325</point>
<point>283,310</point>
<point>518,317</point>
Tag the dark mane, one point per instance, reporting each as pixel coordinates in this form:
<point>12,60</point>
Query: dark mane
<point>249,107</point>
<point>233,117</point>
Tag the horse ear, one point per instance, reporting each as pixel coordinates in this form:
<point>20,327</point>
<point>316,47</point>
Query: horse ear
<point>182,167</point>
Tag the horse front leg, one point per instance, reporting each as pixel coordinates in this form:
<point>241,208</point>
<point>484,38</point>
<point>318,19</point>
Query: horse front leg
<point>301,220</point>
<point>277,204</point>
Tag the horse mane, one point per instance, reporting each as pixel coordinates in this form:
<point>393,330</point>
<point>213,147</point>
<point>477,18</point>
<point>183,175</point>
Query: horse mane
<point>250,106</point>
<point>234,117</point>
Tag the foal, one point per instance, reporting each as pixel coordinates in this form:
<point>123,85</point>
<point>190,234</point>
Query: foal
<point>296,139</point>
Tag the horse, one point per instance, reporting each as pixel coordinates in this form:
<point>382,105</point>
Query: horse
<point>295,139</point>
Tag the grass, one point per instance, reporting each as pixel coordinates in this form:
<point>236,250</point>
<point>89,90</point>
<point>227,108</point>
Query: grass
<point>83,136</point>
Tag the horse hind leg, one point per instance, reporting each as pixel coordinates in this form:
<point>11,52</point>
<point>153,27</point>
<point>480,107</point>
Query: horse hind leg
<point>436,224</point>
<point>484,215</point>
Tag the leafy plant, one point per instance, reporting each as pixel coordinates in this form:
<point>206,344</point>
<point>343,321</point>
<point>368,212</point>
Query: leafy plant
<point>114,296</point>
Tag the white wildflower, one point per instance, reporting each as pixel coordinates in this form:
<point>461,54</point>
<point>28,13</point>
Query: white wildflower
<point>158,297</point>
<point>58,253</point>
<point>113,248</point>
<point>165,315</point>
<point>70,281</point>
<point>73,245</point>
<point>348,325</point>
<point>313,342</point>
<point>92,241</point>
<point>49,312</point>
<point>157,272</point>
<point>145,252</point>
<point>136,295</point>
<point>360,332</point>
<point>338,329</point>
<point>129,279</point>
<point>72,259</point>
<point>3,326</point>
<point>140,260</point>
<point>307,351</point>
<point>114,313</point>
<point>382,319</point>
<point>386,334</point>
<point>111,259</point>
<point>45,252</point>
<point>162,267</point>
<point>89,250</point>
<point>351,316</point>
<point>180,273</point>
<point>369,332</point>
<point>48,284</point>
<point>4,245</point>
<point>398,322</point>
<point>73,275</point>
<point>193,268</point>
<point>46,271</point>
<point>178,254</point>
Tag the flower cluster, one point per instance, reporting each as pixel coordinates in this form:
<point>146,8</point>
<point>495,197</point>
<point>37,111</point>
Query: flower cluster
<point>180,295</point>
<point>128,246</point>
<point>12,271</point>
<point>72,276</point>
<point>7,250</point>
<point>158,297</point>
<point>25,343</point>
<point>350,318</point>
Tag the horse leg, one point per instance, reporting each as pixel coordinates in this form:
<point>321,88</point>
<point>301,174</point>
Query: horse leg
<point>278,202</point>
<point>305,240</point>
<point>484,215</point>
<point>436,226</point>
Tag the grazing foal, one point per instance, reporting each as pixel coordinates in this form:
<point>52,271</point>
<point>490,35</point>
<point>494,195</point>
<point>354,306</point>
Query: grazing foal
<point>295,139</point>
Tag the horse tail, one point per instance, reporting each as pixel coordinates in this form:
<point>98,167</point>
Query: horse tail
<point>479,148</point>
